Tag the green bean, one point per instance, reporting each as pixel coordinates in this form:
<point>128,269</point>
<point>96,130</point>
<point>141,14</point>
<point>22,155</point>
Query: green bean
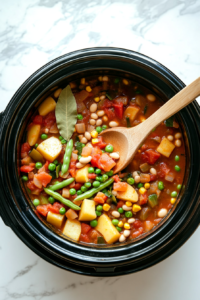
<point>61,184</point>
<point>64,201</point>
<point>93,191</point>
<point>67,156</point>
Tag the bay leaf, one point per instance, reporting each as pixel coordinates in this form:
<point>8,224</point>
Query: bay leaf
<point>66,113</point>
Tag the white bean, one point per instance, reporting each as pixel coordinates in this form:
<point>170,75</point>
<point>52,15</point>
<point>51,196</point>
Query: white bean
<point>92,122</point>
<point>177,143</point>
<point>102,97</point>
<point>114,193</point>
<point>137,179</point>
<point>84,140</point>
<point>178,135</point>
<point>105,118</point>
<point>122,238</point>
<point>98,122</point>
<point>87,135</point>
<point>93,107</point>
<point>135,173</point>
<point>153,171</point>
<point>114,155</point>
<point>151,97</point>
<point>105,78</point>
<point>80,165</point>
<point>94,116</point>
<point>131,220</point>
<point>126,233</point>
<point>126,208</point>
<point>162,212</point>
<point>170,138</point>
<point>113,124</point>
<point>46,130</point>
<point>85,160</point>
<point>100,113</point>
<point>115,214</point>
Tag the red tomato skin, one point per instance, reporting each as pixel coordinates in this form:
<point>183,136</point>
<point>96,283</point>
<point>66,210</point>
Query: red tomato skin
<point>92,176</point>
<point>164,170</point>
<point>107,104</point>
<point>101,144</point>
<point>85,228</point>
<point>120,203</point>
<point>110,113</point>
<point>43,209</point>
<point>143,198</point>
<point>95,160</point>
<point>55,207</point>
<point>137,224</point>
<point>119,110</point>
<point>116,178</point>
<point>84,238</point>
<point>26,169</point>
<point>49,119</point>
<point>153,177</point>
<point>38,120</point>
<point>150,156</point>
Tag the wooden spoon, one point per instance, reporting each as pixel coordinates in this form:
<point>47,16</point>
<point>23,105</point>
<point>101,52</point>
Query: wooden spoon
<point>126,141</point>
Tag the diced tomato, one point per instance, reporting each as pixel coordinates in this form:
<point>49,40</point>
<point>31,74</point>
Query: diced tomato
<point>93,234</point>
<point>135,234</point>
<point>144,147</point>
<point>72,168</point>
<point>100,198</point>
<point>25,148</point>
<point>77,186</point>
<point>101,144</point>
<point>137,224</point>
<point>92,176</point>
<point>120,203</point>
<point>85,228</point>
<point>43,209</point>
<point>27,169</point>
<point>84,238</point>
<point>31,185</point>
<point>49,119</point>
<point>107,103</point>
<point>38,120</point>
<point>120,186</point>
<point>150,156</point>
<point>164,170</point>
<point>116,178</point>
<point>106,162</point>
<point>95,160</point>
<point>44,178</point>
<point>46,165</point>
<point>153,177</point>
<point>55,207</point>
<point>143,198</point>
<point>119,110</point>
<point>110,113</point>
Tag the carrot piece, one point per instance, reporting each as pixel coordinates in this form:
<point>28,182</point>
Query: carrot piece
<point>100,198</point>
<point>71,214</point>
<point>120,186</point>
<point>106,162</point>
<point>44,178</point>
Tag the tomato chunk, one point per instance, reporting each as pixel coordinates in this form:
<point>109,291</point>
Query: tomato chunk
<point>164,170</point>
<point>143,198</point>
<point>120,203</point>
<point>26,169</point>
<point>85,228</point>
<point>100,198</point>
<point>44,178</point>
<point>101,144</point>
<point>84,238</point>
<point>106,162</point>
<point>49,119</point>
<point>110,112</point>
<point>55,207</point>
<point>119,110</point>
<point>120,186</point>
<point>92,176</point>
<point>38,120</point>
<point>150,156</point>
<point>95,160</point>
<point>116,178</point>
<point>43,209</point>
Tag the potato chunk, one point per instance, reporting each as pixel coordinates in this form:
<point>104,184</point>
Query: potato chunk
<point>33,134</point>
<point>55,219</point>
<point>166,147</point>
<point>87,212</point>
<point>72,229</point>
<point>129,195</point>
<point>47,106</point>
<point>107,229</point>
<point>82,174</point>
<point>131,112</point>
<point>50,148</point>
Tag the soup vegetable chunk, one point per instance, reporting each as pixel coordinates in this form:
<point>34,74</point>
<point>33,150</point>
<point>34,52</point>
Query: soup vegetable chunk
<point>68,169</point>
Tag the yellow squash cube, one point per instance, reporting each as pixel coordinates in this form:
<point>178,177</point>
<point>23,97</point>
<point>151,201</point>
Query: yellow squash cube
<point>33,134</point>
<point>82,174</point>
<point>107,229</point>
<point>47,106</point>
<point>55,219</point>
<point>87,212</point>
<point>72,229</point>
<point>129,195</point>
<point>166,147</point>
<point>131,112</point>
<point>50,148</point>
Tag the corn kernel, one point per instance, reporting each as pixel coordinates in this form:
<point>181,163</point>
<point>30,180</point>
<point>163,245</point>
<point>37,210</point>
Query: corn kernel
<point>142,190</point>
<point>173,200</point>
<point>128,203</point>
<point>100,78</point>
<point>95,141</point>
<point>136,208</point>
<point>125,81</point>
<point>106,207</point>
<point>72,85</point>
<point>147,186</point>
<point>96,99</point>
<point>142,119</point>
<point>126,226</point>
<point>82,80</point>
<point>88,89</point>
<point>120,224</point>
<point>94,134</point>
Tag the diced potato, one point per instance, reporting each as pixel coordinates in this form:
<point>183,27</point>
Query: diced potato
<point>166,147</point>
<point>50,148</point>
<point>131,112</point>
<point>107,229</point>
<point>72,229</point>
<point>55,219</point>
<point>82,174</point>
<point>129,195</point>
<point>36,155</point>
<point>87,212</point>
<point>47,106</point>
<point>33,134</point>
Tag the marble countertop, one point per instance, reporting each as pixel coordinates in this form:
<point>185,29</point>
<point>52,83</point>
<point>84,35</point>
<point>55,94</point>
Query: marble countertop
<point>37,31</point>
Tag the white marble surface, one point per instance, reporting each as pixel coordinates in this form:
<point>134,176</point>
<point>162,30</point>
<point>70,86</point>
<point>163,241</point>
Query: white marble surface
<point>34,32</point>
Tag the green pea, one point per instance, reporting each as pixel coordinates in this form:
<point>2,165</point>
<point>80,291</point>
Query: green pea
<point>36,202</point>
<point>174,194</point>
<point>98,171</point>
<point>79,192</point>
<point>96,184</point>
<point>93,223</point>
<point>44,136</point>
<point>120,210</point>
<point>109,148</point>
<point>38,165</point>
<point>130,181</point>
<point>36,145</point>
<point>72,191</point>
<point>79,157</point>
<point>177,158</point>
<point>98,213</point>
<point>118,228</point>
<point>98,129</point>
<point>99,207</point>
<point>90,170</point>
<point>177,168</point>
<point>161,185</point>
<point>83,145</point>
<point>115,222</point>
<point>62,210</point>
<point>51,199</point>
<point>99,178</point>
<point>63,141</point>
<point>104,127</point>
<point>88,184</point>
<point>110,173</point>
<point>128,214</point>
<point>116,80</point>
<point>51,167</point>
<point>55,162</point>
<point>104,177</point>
<point>83,189</point>
<point>24,178</point>
<point>140,185</point>
<point>179,186</point>
<point>79,117</point>
<point>60,138</point>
